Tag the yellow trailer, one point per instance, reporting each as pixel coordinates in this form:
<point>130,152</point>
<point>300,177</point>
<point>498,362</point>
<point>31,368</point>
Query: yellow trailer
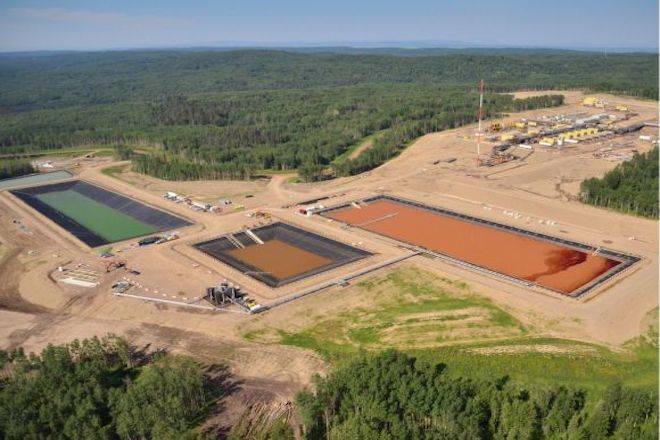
<point>592,101</point>
<point>547,141</point>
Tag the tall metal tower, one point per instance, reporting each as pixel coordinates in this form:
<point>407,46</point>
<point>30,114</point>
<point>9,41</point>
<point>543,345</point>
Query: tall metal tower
<point>480,116</point>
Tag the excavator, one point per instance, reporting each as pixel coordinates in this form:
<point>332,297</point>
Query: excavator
<point>118,264</point>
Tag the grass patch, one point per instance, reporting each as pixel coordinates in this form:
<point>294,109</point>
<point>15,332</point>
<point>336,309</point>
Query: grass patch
<point>410,309</point>
<point>593,370</point>
<point>350,150</point>
<point>255,335</point>
<point>442,321</point>
<point>112,171</point>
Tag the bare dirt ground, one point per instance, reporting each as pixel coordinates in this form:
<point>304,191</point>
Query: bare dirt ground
<point>35,310</point>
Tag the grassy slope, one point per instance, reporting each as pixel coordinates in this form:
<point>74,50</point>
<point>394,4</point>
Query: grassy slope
<point>443,321</point>
<point>350,152</point>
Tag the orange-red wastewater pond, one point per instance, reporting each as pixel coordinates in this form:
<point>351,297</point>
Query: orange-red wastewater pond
<point>550,265</point>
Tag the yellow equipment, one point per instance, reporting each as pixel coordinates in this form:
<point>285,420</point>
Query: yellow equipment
<point>592,101</point>
<point>495,126</point>
<point>547,141</point>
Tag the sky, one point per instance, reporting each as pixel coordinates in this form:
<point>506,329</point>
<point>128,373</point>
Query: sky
<point>94,24</point>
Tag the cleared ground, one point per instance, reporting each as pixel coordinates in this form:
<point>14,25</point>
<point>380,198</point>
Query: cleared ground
<point>480,323</point>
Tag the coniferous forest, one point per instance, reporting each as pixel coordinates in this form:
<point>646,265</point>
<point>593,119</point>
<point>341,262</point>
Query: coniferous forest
<point>100,388</point>
<point>631,187</point>
<point>392,395</point>
<point>233,113</point>
<point>105,388</point>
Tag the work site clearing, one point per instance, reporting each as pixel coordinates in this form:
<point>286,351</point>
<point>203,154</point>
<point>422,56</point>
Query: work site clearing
<point>231,271</point>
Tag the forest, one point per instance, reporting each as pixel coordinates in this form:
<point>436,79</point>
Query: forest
<point>631,187</point>
<point>235,113</point>
<point>392,395</point>
<point>106,388</point>
<point>100,388</point>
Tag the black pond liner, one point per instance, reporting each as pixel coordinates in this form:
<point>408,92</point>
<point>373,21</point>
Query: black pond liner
<point>159,220</point>
<point>339,253</point>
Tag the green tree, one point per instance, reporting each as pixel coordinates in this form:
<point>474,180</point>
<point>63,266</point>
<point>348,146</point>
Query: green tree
<point>163,401</point>
<point>631,187</point>
<point>393,396</point>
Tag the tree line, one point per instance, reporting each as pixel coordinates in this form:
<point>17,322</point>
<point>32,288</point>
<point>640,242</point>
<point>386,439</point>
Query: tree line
<point>392,395</point>
<point>232,135</point>
<point>631,187</point>
<point>229,114</point>
<point>312,140</point>
<point>15,167</point>
<point>61,80</point>
<point>105,388</point>
<point>176,167</point>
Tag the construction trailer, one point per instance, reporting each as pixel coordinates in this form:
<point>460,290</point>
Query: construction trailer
<point>629,129</point>
<point>507,137</point>
<point>578,134</point>
<point>200,206</point>
<point>309,210</point>
<point>548,141</point>
<point>149,240</point>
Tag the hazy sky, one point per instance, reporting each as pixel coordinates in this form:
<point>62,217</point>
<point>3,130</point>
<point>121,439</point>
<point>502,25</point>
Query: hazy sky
<point>60,24</point>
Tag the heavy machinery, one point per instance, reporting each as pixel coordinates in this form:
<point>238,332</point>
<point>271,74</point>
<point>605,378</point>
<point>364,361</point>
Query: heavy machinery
<point>225,293</point>
<point>498,155</point>
<point>119,264</point>
<point>114,265</point>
